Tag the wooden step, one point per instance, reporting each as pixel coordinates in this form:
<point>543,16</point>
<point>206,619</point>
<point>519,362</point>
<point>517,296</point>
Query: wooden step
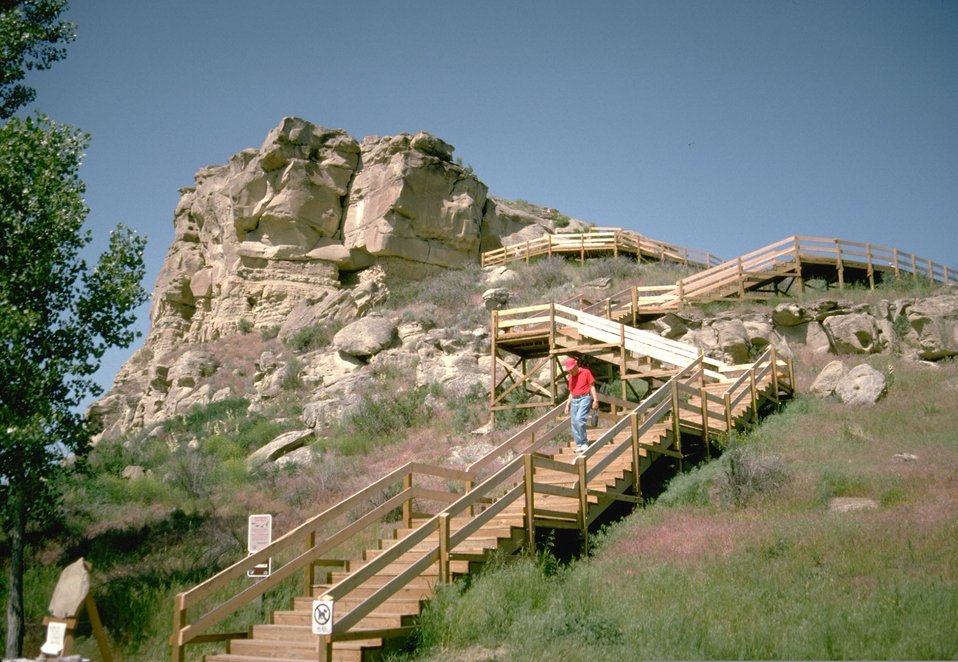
<point>296,650</point>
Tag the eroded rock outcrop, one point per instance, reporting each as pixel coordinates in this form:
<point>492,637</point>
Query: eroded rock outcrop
<point>308,229</point>
<point>917,328</point>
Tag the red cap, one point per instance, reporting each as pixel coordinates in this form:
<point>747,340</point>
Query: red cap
<point>569,363</point>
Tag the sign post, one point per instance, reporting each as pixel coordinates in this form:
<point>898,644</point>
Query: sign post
<point>259,536</point>
<point>323,616</point>
<point>322,622</point>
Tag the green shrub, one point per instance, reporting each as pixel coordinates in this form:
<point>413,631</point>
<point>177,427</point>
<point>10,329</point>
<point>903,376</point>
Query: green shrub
<point>384,415</point>
<point>735,479</point>
<point>452,294</point>
<point>269,332</point>
<point>469,409</point>
<point>314,337</point>
<point>196,421</point>
<point>244,326</point>
<point>747,473</point>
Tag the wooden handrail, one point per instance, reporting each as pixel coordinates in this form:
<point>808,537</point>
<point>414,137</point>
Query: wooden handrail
<point>608,239</point>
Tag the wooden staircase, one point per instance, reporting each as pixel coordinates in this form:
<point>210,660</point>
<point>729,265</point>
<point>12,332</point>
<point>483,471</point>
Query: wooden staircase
<point>531,482</point>
<point>428,524</point>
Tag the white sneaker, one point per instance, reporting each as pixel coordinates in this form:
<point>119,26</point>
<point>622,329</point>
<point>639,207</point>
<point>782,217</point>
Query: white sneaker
<point>581,449</point>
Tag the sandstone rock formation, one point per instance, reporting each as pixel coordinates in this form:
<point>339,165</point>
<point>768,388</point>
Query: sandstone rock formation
<point>920,329</point>
<point>308,229</point>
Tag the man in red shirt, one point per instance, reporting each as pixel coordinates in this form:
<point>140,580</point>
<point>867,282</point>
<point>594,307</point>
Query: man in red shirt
<point>582,398</point>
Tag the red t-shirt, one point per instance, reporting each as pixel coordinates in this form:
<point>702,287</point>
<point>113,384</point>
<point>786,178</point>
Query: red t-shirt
<point>581,382</point>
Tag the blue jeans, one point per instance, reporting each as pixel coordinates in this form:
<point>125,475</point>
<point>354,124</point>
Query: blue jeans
<point>579,415</point>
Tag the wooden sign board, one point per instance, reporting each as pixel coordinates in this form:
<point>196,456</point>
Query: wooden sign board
<point>259,535</point>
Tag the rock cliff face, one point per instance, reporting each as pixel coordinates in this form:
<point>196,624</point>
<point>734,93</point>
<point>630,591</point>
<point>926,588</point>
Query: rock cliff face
<point>311,226</point>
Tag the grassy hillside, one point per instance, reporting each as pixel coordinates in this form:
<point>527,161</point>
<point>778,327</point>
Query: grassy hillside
<point>735,556</point>
<point>742,558</point>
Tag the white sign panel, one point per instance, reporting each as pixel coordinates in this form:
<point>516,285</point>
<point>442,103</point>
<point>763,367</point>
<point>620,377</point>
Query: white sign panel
<point>323,616</point>
<point>56,636</point>
<point>259,535</point>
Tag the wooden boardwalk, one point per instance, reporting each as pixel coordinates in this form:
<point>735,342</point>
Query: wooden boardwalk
<point>600,242</point>
<point>378,555</point>
<point>447,520</point>
<point>772,271</point>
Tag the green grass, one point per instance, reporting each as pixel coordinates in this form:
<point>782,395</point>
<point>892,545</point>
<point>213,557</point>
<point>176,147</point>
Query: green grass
<point>699,575</point>
<point>739,558</point>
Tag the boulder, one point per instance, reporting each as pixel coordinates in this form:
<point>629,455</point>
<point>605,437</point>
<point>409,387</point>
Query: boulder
<point>733,341</point>
<point>790,314</point>
<point>284,443</point>
<point>863,385</point>
<point>824,385</point>
<point>499,275</point>
<point>671,326</point>
<point>324,369</point>
<point>851,504</point>
<point>932,327</point>
<point>367,337</point>
<point>496,298</point>
<point>132,472</point>
<point>854,333</point>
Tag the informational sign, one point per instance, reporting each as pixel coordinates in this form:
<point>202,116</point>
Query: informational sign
<point>323,616</point>
<point>56,638</point>
<point>258,536</point>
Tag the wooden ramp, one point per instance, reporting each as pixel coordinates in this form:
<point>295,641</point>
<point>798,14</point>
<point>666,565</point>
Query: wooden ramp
<point>444,521</point>
<point>767,272</point>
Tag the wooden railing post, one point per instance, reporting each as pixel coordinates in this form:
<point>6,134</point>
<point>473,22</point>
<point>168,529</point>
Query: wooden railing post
<point>676,428</point>
<point>309,572</point>
<point>754,393</point>
<point>775,373</point>
<point>580,465</point>
<point>705,417</point>
<point>179,622</point>
<point>407,504</point>
<point>741,277</point>
<point>799,278</point>
<point>530,504</point>
<point>894,254</point>
<point>728,411</point>
<point>636,457</point>
<point>493,349</point>
<point>871,271</point>
<point>444,548</point>
<point>324,645</point>
<point>635,305</point>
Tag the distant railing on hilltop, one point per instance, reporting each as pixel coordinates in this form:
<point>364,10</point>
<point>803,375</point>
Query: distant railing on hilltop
<point>600,240</point>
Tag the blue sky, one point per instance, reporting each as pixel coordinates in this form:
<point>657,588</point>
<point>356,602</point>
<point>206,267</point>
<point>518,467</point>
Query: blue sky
<point>721,126</point>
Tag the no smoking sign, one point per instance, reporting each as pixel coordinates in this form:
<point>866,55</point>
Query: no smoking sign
<point>323,616</point>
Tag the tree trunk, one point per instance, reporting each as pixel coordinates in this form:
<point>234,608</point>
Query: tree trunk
<point>18,528</point>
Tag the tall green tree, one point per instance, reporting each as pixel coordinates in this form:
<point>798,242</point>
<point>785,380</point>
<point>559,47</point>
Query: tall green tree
<point>32,37</point>
<point>58,316</point>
